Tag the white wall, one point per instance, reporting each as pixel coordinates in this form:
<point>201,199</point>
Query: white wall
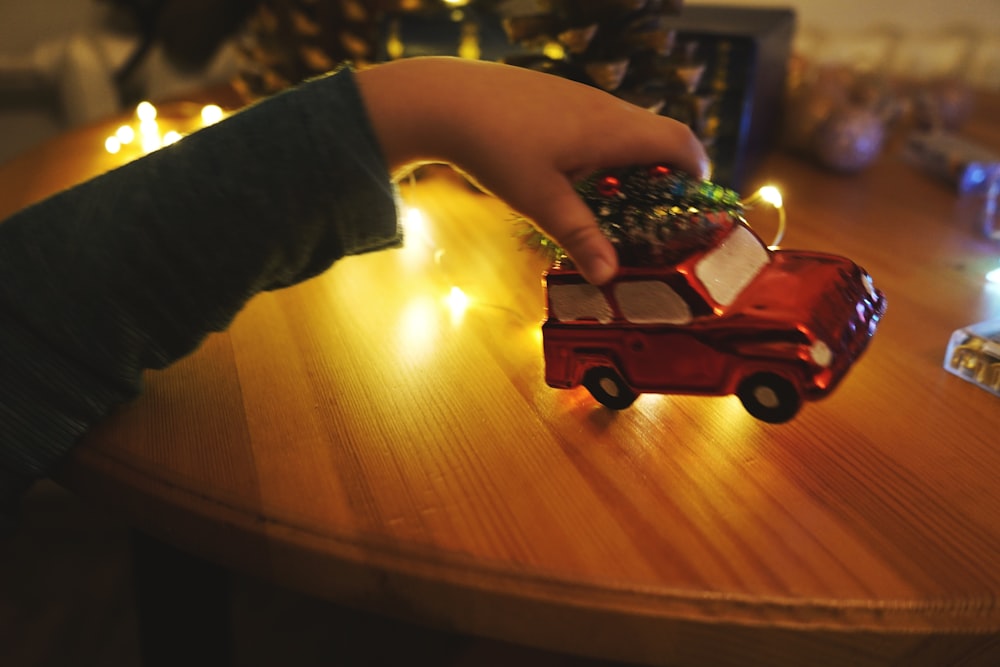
<point>24,25</point>
<point>909,15</point>
<point>915,37</point>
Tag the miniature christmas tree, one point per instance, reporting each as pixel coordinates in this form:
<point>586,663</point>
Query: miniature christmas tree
<point>652,215</point>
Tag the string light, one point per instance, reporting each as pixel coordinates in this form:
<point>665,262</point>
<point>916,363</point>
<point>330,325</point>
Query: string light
<point>457,300</point>
<point>211,114</point>
<point>416,239</point>
<point>171,137</point>
<point>148,130</point>
<point>554,50</point>
<point>419,245</point>
<point>146,112</point>
<point>149,133</point>
<point>468,47</point>
<point>125,134</point>
<point>413,221</point>
<point>771,195</point>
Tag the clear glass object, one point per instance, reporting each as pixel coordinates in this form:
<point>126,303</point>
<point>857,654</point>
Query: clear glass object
<point>972,169</point>
<point>974,355</point>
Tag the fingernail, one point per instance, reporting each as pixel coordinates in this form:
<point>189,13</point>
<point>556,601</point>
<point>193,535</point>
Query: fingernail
<point>601,271</point>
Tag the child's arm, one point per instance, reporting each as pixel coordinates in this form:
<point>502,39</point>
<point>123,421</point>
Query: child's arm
<point>132,269</point>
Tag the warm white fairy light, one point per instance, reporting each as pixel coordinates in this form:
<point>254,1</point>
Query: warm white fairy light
<point>457,300</point>
<point>457,303</point>
<point>171,137</point>
<point>771,195</point>
<point>149,136</point>
<point>125,134</point>
<point>416,233</point>
<point>554,50</point>
<point>145,111</point>
<point>211,114</point>
<point>413,221</point>
<point>148,129</point>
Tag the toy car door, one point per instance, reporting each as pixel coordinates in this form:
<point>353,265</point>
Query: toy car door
<point>663,351</point>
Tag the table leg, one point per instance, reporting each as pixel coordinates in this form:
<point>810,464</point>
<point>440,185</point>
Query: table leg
<point>182,604</point>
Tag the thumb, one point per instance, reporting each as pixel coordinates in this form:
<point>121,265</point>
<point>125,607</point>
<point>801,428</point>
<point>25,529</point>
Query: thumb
<point>571,224</point>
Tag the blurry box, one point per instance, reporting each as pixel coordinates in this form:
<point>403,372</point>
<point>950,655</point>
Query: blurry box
<point>746,52</point>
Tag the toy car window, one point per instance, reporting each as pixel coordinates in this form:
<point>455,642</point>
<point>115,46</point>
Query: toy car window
<point>581,301</point>
<point>731,265</point>
<point>651,302</point>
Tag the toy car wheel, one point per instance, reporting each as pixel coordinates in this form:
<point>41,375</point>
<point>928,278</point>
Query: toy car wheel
<point>770,398</point>
<point>608,387</point>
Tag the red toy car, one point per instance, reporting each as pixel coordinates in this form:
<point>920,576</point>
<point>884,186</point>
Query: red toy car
<point>726,315</point>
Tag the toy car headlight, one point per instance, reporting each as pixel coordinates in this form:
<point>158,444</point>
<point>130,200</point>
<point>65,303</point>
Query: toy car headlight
<point>821,354</point>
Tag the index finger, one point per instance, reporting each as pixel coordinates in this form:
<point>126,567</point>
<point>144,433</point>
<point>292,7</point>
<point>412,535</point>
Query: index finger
<point>642,137</point>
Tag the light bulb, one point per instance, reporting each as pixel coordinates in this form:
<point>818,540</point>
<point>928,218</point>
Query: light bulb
<point>145,111</point>
<point>125,134</point>
<point>413,221</point>
<point>771,195</point>
<point>211,114</point>
<point>457,302</point>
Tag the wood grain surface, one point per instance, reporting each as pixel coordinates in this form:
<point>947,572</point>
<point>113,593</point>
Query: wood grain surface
<point>364,438</point>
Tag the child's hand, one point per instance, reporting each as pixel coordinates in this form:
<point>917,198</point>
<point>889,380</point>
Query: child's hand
<point>524,136</point>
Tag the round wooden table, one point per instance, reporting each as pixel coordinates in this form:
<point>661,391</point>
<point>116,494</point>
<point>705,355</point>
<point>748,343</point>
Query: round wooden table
<point>382,436</point>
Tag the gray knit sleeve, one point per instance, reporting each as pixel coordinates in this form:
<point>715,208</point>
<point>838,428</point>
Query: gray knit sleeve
<point>133,269</point>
